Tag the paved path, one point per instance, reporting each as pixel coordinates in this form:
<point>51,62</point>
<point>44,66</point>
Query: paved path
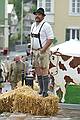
<point>63,114</point>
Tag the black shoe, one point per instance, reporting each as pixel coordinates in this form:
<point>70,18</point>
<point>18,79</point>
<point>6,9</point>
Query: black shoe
<point>45,94</point>
<point>40,93</point>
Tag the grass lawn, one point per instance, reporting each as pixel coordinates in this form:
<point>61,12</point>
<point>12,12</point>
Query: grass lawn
<point>72,94</point>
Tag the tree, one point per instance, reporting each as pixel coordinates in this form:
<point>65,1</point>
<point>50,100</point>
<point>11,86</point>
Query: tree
<point>34,7</point>
<point>10,1</point>
<point>17,6</point>
<point>55,40</point>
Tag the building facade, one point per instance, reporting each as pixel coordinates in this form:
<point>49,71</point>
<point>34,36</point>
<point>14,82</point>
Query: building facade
<point>3,24</point>
<point>48,6</point>
<point>64,18</point>
<point>67,19</point>
<point>13,22</point>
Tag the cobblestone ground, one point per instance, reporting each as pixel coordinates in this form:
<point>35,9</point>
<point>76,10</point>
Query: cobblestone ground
<point>63,114</point>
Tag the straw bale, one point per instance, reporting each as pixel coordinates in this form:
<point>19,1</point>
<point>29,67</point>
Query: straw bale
<point>6,101</point>
<point>26,100</point>
<point>31,102</point>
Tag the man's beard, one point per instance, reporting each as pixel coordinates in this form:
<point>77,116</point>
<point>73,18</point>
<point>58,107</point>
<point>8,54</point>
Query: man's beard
<point>37,19</point>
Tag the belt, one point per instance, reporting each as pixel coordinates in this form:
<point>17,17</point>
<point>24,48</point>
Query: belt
<point>36,49</point>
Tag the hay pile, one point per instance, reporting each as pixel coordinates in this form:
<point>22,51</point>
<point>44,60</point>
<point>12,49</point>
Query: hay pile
<point>6,101</point>
<point>27,100</point>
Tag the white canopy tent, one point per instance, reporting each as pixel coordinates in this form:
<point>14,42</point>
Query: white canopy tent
<point>70,48</point>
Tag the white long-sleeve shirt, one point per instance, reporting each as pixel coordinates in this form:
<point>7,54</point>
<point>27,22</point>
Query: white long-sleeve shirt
<point>45,34</point>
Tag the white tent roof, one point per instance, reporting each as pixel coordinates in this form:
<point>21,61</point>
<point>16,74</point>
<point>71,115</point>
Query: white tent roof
<point>70,48</point>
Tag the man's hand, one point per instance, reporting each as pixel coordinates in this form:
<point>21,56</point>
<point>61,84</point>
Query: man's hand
<point>31,52</point>
<point>46,46</point>
<point>42,50</point>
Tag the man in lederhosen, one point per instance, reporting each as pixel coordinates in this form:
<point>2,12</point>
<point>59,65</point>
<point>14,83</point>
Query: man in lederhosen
<point>41,39</point>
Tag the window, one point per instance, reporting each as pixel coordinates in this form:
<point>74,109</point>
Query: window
<point>72,34</point>
<point>48,5</point>
<point>75,7</point>
<point>40,3</point>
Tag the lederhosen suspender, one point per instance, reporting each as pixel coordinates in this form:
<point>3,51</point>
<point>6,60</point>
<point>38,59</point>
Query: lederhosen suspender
<point>37,35</point>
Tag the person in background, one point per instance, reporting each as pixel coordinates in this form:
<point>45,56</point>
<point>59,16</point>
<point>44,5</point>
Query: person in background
<point>27,65</point>
<point>7,65</point>
<point>41,39</point>
<point>1,78</point>
<point>26,62</point>
<point>17,67</point>
<point>4,70</point>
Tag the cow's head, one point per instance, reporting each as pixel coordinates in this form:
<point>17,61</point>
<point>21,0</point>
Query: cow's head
<point>56,59</point>
<point>53,64</point>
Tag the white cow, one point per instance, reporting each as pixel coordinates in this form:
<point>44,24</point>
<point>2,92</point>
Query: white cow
<point>65,69</point>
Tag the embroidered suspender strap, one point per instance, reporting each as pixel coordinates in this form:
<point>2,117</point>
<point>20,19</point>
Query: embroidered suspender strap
<point>39,35</point>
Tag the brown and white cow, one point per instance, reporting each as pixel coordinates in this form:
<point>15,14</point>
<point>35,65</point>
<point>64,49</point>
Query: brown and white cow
<point>65,69</point>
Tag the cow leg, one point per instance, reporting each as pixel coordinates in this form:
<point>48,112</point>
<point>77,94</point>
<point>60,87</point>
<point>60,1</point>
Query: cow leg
<point>55,89</point>
<point>63,89</point>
